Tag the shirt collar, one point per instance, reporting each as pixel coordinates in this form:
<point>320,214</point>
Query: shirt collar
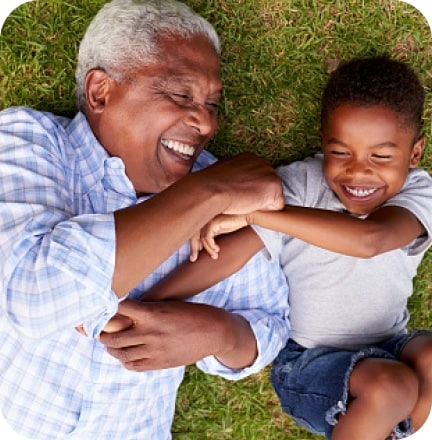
<point>95,162</point>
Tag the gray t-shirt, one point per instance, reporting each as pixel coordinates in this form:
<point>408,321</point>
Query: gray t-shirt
<point>343,301</point>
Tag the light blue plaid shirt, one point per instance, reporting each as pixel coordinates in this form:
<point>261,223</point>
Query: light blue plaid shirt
<point>58,190</point>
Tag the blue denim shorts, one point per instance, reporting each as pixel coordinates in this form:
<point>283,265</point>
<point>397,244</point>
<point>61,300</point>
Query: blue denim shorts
<point>312,383</point>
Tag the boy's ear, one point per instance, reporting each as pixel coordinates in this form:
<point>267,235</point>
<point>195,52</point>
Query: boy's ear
<point>97,85</point>
<point>417,151</point>
<point>320,134</point>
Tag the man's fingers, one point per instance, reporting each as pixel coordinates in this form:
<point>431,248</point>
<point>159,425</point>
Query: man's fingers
<point>132,309</point>
<point>128,355</point>
<point>124,338</point>
<point>80,329</point>
<point>118,323</point>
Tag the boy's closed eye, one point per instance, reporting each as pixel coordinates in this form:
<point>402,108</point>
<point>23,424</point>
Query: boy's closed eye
<point>382,156</point>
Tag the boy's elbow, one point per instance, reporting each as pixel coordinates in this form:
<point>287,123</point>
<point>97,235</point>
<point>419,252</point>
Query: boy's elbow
<point>370,244</point>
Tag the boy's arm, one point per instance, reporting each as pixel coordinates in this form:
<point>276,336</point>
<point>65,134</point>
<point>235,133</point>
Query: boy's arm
<point>386,229</point>
<point>191,278</point>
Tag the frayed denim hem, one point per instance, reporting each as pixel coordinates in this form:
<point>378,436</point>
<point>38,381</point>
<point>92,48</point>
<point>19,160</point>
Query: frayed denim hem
<point>402,430</point>
<point>340,407</point>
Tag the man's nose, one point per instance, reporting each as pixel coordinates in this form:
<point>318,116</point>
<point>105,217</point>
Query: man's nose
<point>202,119</point>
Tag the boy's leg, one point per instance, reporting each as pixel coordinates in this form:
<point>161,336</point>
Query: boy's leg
<point>313,386</point>
<point>417,353</point>
<point>383,392</point>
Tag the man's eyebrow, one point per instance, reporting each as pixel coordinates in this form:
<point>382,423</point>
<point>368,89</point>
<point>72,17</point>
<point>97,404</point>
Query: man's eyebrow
<point>189,81</point>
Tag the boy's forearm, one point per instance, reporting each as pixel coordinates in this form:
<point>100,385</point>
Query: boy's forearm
<point>191,278</point>
<point>387,229</point>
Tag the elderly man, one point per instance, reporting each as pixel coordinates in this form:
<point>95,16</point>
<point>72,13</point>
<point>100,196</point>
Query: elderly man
<point>101,207</point>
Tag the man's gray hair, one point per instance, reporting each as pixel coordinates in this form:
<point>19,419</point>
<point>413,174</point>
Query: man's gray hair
<point>124,34</point>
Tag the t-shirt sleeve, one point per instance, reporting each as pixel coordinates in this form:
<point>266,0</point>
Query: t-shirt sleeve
<point>294,182</point>
<point>416,197</point>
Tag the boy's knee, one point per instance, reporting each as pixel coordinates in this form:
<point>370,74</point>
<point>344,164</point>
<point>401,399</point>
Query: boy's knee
<point>389,383</point>
<point>418,355</point>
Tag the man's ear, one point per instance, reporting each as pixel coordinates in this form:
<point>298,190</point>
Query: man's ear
<point>97,84</point>
<point>417,151</point>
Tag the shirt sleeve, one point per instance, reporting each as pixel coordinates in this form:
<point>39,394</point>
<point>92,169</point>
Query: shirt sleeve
<point>416,197</point>
<point>57,266</point>
<point>259,293</point>
<point>294,182</point>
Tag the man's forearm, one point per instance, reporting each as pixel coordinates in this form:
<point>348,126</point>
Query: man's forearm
<point>148,233</point>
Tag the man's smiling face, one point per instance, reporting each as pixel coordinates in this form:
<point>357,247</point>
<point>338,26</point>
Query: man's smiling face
<point>160,122</point>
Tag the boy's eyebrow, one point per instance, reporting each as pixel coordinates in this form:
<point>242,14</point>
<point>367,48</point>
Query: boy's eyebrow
<point>335,141</point>
<point>384,144</point>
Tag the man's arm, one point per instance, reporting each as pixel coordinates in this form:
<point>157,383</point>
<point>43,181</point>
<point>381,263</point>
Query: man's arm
<point>246,326</point>
<point>162,224</point>
<point>170,334</point>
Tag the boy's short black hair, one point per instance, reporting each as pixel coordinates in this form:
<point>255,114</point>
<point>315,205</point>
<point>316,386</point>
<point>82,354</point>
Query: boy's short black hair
<point>373,81</point>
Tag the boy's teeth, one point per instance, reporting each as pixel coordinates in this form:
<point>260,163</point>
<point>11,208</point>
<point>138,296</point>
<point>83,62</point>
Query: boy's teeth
<point>358,192</point>
<point>179,147</point>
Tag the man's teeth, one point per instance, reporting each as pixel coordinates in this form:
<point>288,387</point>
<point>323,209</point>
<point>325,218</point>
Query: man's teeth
<point>358,192</point>
<point>179,147</point>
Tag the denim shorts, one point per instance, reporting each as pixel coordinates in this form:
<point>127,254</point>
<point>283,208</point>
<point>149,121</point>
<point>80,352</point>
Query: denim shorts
<point>312,383</point>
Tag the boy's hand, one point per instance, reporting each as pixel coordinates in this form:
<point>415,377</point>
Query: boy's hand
<point>221,224</point>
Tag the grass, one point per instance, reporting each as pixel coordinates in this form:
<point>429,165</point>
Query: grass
<point>276,59</point>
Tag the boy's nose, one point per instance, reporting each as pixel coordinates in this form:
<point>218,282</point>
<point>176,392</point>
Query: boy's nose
<point>358,167</point>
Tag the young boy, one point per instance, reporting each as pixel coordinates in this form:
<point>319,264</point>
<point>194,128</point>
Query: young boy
<point>356,225</point>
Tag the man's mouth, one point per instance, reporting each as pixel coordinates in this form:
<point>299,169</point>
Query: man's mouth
<point>360,192</point>
<point>179,147</point>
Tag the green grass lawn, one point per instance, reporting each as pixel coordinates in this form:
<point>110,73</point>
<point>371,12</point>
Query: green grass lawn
<point>276,59</point>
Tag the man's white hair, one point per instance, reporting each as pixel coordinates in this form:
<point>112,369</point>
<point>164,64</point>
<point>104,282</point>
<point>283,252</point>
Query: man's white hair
<point>124,34</point>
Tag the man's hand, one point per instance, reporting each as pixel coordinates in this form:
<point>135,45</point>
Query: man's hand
<point>174,333</point>
<point>250,182</point>
<point>118,323</point>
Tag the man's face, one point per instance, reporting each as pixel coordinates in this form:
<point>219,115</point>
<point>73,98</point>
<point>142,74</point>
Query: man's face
<point>368,152</point>
<point>159,123</point>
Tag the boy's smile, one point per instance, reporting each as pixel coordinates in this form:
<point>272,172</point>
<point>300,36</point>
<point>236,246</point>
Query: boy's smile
<point>368,152</point>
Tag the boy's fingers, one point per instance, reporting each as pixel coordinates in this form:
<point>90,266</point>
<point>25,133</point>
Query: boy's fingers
<point>196,247</point>
<point>210,245</point>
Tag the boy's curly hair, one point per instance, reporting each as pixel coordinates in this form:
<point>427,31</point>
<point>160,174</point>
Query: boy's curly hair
<point>372,81</point>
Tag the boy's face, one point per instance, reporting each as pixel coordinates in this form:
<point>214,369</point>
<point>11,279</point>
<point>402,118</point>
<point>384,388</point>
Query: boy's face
<point>368,152</point>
